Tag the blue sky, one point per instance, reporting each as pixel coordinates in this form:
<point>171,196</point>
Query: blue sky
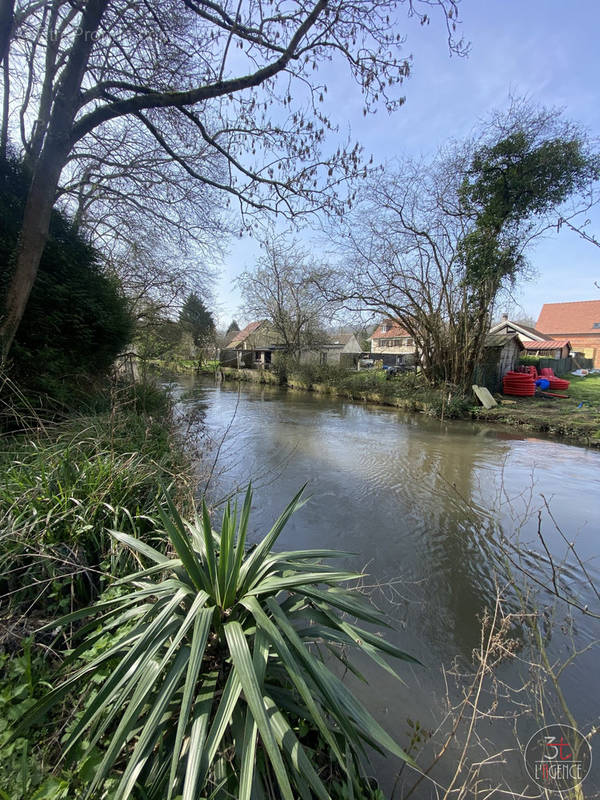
<point>544,49</point>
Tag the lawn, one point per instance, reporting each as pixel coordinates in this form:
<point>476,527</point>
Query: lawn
<point>559,417</point>
<point>584,389</point>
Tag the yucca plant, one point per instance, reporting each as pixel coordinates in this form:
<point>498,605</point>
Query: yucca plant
<point>217,681</point>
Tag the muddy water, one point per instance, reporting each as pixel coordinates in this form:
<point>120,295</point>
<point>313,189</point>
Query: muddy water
<point>420,503</point>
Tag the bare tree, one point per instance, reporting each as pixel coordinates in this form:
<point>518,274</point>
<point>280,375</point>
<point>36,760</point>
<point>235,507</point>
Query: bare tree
<point>153,269</point>
<point>284,288</point>
<point>190,71</point>
<point>433,244</point>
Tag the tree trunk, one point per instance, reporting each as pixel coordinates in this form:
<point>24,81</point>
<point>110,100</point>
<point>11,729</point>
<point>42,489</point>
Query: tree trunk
<point>32,240</point>
<point>46,174</point>
<point>7,8</point>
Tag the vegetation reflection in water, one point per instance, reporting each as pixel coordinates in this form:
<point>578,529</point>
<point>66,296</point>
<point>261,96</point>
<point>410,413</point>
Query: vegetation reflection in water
<point>446,520</point>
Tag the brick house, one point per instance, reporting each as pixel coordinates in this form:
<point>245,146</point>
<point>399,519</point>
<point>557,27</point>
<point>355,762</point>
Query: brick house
<point>391,343</point>
<point>578,322</point>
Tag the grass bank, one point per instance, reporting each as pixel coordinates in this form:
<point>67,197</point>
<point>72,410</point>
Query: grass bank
<point>408,391</point>
<point>181,366</point>
<point>172,366</point>
<point>576,418</point>
<point>66,484</point>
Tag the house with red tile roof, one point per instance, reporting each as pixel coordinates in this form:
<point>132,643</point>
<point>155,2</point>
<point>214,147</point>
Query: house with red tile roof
<point>578,322</point>
<point>391,339</point>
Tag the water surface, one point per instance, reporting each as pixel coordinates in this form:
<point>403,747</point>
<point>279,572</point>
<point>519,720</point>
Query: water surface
<point>418,502</point>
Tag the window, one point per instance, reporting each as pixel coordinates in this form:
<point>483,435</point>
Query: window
<point>385,327</point>
<point>409,342</point>
<point>596,325</point>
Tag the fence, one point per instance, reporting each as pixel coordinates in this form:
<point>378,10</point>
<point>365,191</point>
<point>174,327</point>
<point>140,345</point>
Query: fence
<point>562,366</point>
<point>487,375</point>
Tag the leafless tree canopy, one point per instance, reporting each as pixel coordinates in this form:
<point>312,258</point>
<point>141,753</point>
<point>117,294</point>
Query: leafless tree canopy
<point>229,91</point>
<point>284,288</point>
<point>432,244</point>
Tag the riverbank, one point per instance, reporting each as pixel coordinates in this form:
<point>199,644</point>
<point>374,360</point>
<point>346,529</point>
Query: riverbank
<point>66,483</point>
<point>420,503</point>
<point>575,419</point>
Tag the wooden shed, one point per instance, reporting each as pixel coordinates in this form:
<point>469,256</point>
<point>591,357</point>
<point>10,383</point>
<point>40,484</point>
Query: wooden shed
<point>501,354</point>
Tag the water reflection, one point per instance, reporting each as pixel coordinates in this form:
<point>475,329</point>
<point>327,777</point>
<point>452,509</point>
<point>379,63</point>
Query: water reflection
<point>417,502</point>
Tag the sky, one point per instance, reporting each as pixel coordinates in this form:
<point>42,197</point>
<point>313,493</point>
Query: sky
<point>545,50</point>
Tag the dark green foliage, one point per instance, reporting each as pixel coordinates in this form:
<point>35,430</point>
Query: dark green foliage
<point>232,330</point>
<point>523,175</point>
<point>198,319</point>
<point>487,258</point>
<point>519,176</point>
<point>157,336</point>
<point>530,361</point>
<point>65,487</point>
<point>77,319</point>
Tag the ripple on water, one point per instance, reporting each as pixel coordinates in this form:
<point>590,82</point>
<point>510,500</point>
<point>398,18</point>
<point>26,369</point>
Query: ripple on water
<point>417,501</point>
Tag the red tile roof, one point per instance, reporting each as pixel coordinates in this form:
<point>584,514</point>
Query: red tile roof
<point>394,332</point>
<point>245,332</point>
<point>547,344</point>
<point>569,318</point>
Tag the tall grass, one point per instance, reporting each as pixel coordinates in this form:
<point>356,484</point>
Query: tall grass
<point>68,478</point>
<point>361,384</point>
<point>66,484</point>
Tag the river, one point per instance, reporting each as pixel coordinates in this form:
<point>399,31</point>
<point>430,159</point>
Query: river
<point>420,503</point>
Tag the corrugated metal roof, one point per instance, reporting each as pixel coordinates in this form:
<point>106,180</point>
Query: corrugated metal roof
<point>500,339</point>
<point>549,344</point>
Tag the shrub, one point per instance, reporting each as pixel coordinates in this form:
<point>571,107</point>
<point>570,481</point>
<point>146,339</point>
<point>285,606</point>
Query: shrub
<point>530,361</point>
<point>215,683</point>
<point>77,319</point>
<point>451,405</point>
<point>63,488</point>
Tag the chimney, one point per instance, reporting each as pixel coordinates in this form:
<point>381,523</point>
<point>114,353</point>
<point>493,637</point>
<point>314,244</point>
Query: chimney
<point>504,317</point>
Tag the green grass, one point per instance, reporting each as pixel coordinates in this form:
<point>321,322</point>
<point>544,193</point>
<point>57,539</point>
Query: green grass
<point>556,416</point>
<point>65,485</point>
<point>584,389</point>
